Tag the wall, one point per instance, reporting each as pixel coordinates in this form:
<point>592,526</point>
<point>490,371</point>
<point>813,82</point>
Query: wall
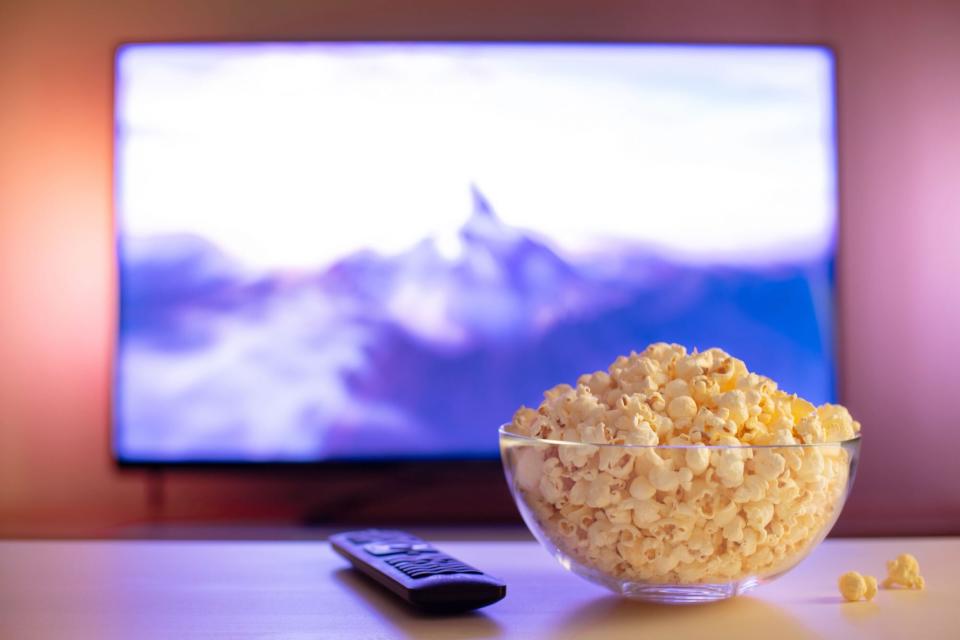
<point>899,100</point>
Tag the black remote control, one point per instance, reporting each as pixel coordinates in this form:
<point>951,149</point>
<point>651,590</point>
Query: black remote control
<point>415,571</point>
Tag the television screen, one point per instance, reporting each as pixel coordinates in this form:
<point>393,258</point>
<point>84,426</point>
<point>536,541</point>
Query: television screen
<point>380,250</point>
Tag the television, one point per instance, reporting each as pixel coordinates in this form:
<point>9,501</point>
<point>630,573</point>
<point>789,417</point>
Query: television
<point>356,251</point>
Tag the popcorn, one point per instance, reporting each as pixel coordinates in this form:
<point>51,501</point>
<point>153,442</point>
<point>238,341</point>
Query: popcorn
<point>854,587</point>
<point>904,572</point>
<point>711,487</point>
<point>682,407</point>
<point>641,489</point>
<point>697,459</point>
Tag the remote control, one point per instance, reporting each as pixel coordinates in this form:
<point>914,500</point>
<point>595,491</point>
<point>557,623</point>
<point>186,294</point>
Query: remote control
<point>417,572</point>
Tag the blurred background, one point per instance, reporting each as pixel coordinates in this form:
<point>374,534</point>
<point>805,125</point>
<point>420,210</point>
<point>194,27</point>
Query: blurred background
<point>897,307</point>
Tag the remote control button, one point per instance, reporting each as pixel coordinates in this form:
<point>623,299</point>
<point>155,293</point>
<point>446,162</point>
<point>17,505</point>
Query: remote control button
<point>384,549</point>
<point>392,548</point>
<point>380,535</point>
<point>431,566</point>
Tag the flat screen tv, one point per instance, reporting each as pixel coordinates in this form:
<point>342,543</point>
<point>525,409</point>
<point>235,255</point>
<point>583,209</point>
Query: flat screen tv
<point>339,251</point>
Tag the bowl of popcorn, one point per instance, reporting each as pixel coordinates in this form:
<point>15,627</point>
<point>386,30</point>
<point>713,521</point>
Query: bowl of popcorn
<point>679,477</point>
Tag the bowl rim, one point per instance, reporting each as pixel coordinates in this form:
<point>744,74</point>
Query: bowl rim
<point>545,441</point>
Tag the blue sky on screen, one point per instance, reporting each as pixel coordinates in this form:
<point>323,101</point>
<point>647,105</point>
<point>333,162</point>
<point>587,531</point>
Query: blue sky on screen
<point>290,156</point>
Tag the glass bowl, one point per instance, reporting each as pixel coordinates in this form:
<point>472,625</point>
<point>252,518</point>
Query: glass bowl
<point>678,524</point>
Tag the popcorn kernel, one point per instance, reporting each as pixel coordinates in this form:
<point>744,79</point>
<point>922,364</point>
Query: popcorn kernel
<point>904,571</point>
<point>852,586</point>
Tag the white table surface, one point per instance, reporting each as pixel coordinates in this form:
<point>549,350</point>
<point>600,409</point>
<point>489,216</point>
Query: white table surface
<point>301,589</point>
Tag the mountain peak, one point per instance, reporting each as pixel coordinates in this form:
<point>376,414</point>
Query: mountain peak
<point>481,207</point>
<point>484,225</point>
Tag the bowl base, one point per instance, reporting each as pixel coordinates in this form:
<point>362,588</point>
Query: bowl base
<point>684,594</point>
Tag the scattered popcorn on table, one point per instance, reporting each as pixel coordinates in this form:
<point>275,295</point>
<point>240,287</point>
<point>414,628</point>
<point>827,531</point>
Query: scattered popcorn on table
<point>904,572</point>
<point>690,514</point>
<point>854,587</point>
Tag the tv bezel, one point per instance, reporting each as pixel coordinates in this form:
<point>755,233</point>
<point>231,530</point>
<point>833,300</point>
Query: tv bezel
<point>441,464</point>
